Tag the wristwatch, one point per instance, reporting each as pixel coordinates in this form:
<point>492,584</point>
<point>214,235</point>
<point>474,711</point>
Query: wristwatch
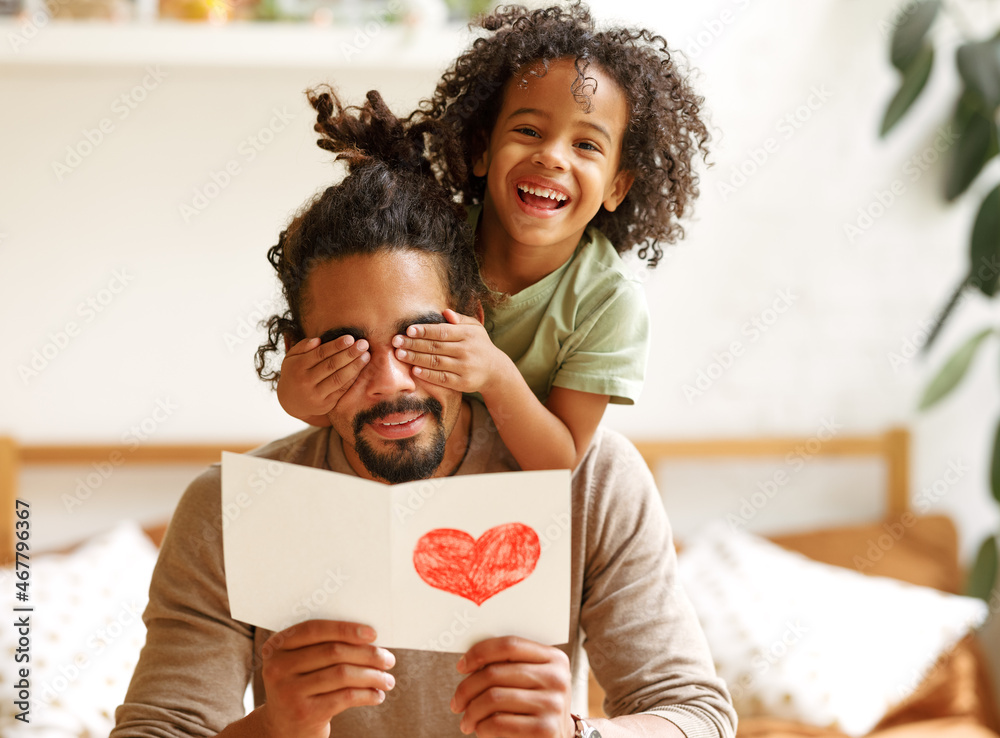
<point>583,729</point>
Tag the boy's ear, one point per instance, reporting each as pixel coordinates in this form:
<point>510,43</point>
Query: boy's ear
<point>482,164</point>
<point>619,188</point>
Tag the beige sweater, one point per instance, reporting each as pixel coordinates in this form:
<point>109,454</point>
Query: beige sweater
<point>627,610</point>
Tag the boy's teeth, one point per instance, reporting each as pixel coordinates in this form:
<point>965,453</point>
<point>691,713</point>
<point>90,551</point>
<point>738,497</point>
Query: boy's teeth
<point>542,192</point>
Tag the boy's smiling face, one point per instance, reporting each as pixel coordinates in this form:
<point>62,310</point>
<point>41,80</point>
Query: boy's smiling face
<point>551,162</point>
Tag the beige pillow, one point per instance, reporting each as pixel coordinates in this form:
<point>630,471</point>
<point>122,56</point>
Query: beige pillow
<point>85,633</point>
<point>812,643</point>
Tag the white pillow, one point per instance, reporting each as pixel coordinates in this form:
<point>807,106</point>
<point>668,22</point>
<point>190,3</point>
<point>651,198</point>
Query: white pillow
<point>817,644</point>
<point>85,633</point>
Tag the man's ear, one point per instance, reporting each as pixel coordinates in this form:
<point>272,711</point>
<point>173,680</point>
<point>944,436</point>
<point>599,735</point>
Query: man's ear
<point>619,188</point>
<point>288,342</point>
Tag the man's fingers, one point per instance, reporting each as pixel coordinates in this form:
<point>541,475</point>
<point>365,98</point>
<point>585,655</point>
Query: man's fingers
<point>507,648</point>
<point>334,703</point>
<point>322,655</point>
<point>319,631</point>
<point>507,725</point>
<point>494,676</point>
<point>345,676</point>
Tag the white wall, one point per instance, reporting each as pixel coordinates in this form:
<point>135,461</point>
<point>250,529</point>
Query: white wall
<point>163,340</point>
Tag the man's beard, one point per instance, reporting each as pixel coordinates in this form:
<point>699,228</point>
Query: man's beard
<point>406,461</point>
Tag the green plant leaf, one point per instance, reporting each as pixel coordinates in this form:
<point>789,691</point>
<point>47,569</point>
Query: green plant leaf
<point>976,145</point>
<point>983,575</point>
<point>979,65</point>
<point>945,314</point>
<point>908,38</point>
<point>995,467</point>
<point>953,370</point>
<point>914,79</point>
<point>984,248</point>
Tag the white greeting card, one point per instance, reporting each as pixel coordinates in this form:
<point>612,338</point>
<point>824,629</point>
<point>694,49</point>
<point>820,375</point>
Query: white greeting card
<point>436,564</point>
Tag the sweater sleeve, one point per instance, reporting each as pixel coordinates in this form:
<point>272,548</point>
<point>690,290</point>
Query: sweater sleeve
<point>195,666</point>
<point>642,637</point>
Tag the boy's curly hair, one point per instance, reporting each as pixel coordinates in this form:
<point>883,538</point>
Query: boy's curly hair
<point>664,132</point>
<point>389,201</point>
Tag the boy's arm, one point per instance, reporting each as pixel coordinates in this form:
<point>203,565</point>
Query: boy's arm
<point>550,436</point>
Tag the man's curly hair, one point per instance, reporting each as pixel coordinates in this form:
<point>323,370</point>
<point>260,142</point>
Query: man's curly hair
<point>389,201</point>
<point>664,133</point>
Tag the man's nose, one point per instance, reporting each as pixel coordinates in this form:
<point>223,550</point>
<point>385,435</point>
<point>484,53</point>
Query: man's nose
<point>385,374</point>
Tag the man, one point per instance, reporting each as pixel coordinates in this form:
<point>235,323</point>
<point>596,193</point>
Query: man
<point>400,259</point>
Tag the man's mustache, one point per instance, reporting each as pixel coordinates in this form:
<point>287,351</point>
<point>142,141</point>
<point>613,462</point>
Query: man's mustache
<point>402,405</point>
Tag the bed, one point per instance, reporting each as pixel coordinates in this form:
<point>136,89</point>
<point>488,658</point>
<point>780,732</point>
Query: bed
<point>953,697</point>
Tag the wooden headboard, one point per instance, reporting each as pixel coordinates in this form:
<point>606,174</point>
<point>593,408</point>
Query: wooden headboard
<point>892,447</point>
<point>13,457</point>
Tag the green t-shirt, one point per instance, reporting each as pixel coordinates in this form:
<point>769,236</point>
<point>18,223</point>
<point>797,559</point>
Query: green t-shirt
<point>584,327</point>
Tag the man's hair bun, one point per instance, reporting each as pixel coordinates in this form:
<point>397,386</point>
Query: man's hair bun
<point>369,133</point>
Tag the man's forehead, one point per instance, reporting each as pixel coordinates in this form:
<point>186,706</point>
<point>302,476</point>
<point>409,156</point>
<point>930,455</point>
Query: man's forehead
<point>370,294</point>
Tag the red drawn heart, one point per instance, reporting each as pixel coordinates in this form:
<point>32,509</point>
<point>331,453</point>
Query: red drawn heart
<point>452,560</point>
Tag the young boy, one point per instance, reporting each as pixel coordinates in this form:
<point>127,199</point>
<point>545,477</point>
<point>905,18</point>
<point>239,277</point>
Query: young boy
<point>579,154</point>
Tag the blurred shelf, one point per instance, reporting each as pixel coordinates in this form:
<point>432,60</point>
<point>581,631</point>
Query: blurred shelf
<point>236,44</point>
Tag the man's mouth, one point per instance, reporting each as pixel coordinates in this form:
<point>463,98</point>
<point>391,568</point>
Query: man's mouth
<point>398,425</point>
<point>543,198</point>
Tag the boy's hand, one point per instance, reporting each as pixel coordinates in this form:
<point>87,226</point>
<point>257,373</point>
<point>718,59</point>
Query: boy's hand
<point>514,687</point>
<point>458,354</point>
<point>315,376</point>
<point>316,670</point>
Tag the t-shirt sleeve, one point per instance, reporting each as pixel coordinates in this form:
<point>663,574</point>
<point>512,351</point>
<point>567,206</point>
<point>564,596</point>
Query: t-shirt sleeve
<point>607,353</point>
<point>642,637</point>
<point>195,666</point>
